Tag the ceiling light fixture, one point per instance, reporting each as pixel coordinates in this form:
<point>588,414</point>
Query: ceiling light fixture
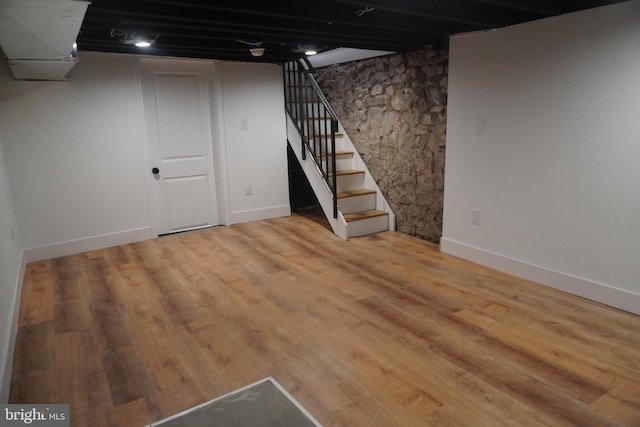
<point>257,47</point>
<point>136,39</point>
<point>139,40</point>
<point>308,49</point>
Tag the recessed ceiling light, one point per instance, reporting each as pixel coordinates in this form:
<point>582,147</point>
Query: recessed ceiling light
<point>310,52</point>
<point>132,38</point>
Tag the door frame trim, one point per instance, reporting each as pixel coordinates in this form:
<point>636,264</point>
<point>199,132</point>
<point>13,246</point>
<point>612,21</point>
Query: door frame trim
<point>219,145</point>
<point>145,150</point>
<point>217,140</point>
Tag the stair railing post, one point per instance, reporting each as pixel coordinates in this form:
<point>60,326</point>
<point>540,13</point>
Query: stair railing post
<point>325,131</point>
<point>317,132</point>
<point>303,106</point>
<point>333,168</point>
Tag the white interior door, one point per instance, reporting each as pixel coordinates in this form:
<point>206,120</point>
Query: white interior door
<point>177,104</point>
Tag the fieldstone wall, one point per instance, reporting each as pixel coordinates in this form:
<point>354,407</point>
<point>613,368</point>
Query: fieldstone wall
<point>394,110</point>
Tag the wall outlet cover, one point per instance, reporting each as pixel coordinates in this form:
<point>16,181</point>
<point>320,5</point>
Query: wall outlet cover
<point>476,216</point>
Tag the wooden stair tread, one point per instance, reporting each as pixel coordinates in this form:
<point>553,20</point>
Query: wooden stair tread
<point>347,172</point>
<point>338,153</point>
<point>358,216</point>
<point>354,193</point>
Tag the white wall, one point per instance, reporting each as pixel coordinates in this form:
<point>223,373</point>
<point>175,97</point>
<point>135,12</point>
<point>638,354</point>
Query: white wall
<point>11,271</point>
<point>75,152</point>
<point>257,155</point>
<point>556,172</point>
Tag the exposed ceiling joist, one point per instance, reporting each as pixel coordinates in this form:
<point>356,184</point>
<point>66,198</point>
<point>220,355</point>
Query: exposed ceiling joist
<point>215,29</point>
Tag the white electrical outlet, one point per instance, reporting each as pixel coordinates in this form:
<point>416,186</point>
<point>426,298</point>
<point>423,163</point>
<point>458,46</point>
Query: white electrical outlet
<point>481,126</point>
<point>248,189</point>
<point>475,216</point>
<point>244,124</point>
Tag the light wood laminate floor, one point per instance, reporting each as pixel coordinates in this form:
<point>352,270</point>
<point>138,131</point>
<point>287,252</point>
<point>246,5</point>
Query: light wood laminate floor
<point>381,330</point>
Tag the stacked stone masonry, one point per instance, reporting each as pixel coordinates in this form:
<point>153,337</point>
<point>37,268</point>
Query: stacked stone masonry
<point>394,110</point>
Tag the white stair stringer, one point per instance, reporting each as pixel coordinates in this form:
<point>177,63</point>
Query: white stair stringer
<point>353,183</point>
<point>317,182</point>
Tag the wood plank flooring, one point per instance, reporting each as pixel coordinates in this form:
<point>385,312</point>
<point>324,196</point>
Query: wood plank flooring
<point>382,330</point>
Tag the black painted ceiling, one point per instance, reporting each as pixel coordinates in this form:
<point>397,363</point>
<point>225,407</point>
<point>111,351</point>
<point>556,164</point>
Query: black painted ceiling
<point>225,29</point>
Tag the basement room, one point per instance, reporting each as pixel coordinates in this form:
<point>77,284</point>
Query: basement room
<point>334,213</point>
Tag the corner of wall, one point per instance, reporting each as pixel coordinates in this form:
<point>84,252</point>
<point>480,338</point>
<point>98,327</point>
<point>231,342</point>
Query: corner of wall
<point>7,358</point>
<point>618,298</point>
<point>88,244</point>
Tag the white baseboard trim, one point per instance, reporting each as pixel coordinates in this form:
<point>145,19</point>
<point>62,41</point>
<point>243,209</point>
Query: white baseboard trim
<point>89,244</point>
<point>7,368</point>
<point>618,298</point>
<point>258,214</point>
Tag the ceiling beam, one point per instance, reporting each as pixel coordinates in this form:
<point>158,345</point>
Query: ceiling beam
<point>532,6</point>
<point>297,18</point>
<point>268,30</point>
<point>460,12</point>
<point>211,29</point>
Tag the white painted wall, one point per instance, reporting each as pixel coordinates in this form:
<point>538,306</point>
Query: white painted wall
<point>75,152</point>
<point>11,270</point>
<point>556,172</point>
<point>257,155</point>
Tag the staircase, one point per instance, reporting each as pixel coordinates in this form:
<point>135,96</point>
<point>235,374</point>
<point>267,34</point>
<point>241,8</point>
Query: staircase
<point>349,196</point>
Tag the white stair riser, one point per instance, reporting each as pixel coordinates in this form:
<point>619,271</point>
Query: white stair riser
<point>368,226</point>
<point>314,127</point>
<point>354,204</point>
<point>350,182</point>
<point>339,146</point>
<point>320,147</point>
<point>343,162</point>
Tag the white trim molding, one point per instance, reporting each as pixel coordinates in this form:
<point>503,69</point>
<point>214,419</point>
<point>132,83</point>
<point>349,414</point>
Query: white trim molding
<point>72,247</point>
<point>618,298</point>
<point>7,359</point>
<point>259,214</point>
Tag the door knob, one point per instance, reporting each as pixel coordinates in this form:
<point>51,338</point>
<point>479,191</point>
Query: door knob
<point>155,171</point>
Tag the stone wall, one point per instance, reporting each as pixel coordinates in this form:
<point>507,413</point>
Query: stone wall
<point>394,110</point>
